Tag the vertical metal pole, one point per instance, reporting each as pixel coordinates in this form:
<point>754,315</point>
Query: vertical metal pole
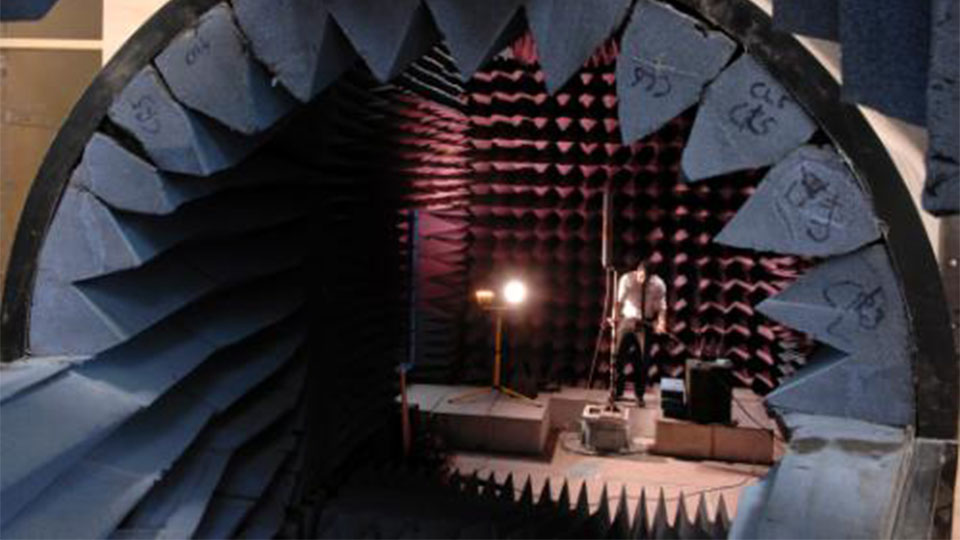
<point>614,322</point>
<point>606,231</point>
<point>412,282</point>
<point>413,271</point>
<point>498,350</point>
<point>405,412</point>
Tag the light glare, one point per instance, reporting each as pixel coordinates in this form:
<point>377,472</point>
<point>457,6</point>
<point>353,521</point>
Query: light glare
<point>515,292</point>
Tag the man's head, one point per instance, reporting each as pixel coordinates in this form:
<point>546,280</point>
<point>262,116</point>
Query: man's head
<point>641,271</point>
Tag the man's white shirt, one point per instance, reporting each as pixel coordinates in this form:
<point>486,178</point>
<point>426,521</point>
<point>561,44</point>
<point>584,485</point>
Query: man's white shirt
<point>630,295</point>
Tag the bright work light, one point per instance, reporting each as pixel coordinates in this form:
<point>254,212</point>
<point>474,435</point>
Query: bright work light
<point>515,292</point>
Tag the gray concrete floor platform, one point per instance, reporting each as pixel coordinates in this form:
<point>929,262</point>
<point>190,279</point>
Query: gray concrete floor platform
<point>497,434</point>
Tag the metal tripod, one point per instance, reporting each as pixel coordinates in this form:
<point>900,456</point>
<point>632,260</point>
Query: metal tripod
<point>496,386</point>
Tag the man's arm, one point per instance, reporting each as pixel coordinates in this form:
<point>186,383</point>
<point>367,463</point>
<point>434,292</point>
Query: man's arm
<point>618,299</point>
<point>661,325</point>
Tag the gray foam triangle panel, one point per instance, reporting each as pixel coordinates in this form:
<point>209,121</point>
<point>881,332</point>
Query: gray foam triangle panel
<point>808,204</point>
<point>297,41</point>
<point>388,36</point>
<point>211,61</point>
<point>666,59</point>
<point>568,32</point>
<point>475,31</point>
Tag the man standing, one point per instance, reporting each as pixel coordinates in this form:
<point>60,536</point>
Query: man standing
<point>642,307</point>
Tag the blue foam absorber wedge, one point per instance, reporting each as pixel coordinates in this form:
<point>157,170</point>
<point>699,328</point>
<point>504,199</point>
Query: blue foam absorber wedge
<point>844,493</point>
<point>175,138</point>
<point>567,32</point>
<point>886,54</point>
<point>853,304</point>
<point>746,120</point>
<point>126,182</point>
<point>814,18</point>
<point>666,58</point>
<point>475,31</point>
<point>808,204</point>
<point>298,42</point>
<point>387,35</point>
<point>847,386</point>
<point>210,69</point>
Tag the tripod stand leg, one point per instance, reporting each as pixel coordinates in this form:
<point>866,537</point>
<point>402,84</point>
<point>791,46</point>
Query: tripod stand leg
<point>596,355</point>
<point>514,394</point>
<point>603,322</point>
<point>471,394</point>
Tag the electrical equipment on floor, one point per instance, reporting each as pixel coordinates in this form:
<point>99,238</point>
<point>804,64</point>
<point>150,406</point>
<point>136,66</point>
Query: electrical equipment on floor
<point>709,391</point>
<point>605,429</point>
<point>673,399</point>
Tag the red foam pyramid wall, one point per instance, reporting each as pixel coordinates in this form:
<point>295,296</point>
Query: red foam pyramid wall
<point>539,164</point>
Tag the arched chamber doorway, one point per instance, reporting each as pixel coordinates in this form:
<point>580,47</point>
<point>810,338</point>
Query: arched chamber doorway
<point>259,209</point>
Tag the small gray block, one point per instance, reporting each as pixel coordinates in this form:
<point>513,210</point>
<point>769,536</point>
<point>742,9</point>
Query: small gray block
<point>747,120</point>
<point>298,41</point>
<point>176,139</point>
<point>808,204</point>
<point>126,182</point>
<point>387,35</point>
<point>941,193</point>
<point>210,69</point>
<point>475,31</point>
<point>567,33</point>
<point>666,58</point>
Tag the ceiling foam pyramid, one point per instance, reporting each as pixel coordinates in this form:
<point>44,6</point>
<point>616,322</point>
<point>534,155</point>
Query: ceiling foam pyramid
<point>540,162</point>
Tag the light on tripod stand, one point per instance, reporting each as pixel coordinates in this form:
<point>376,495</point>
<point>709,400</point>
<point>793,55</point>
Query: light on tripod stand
<point>515,292</point>
<point>484,298</point>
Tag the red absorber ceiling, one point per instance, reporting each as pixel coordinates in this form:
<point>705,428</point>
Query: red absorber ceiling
<point>539,164</point>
